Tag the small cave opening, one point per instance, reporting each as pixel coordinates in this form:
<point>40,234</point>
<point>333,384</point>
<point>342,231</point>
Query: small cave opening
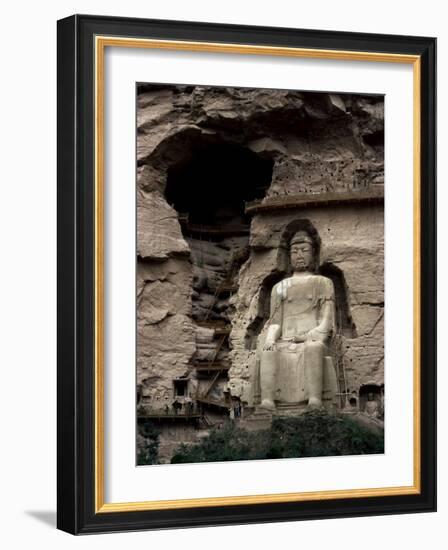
<point>371,399</point>
<point>180,387</point>
<point>353,402</point>
<point>375,139</point>
<point>209,189</point>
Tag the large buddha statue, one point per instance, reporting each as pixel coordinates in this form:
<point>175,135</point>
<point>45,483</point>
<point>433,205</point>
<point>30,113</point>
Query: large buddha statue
<point>295,356</point>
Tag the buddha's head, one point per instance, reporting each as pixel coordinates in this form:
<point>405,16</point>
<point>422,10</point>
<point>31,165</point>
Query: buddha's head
<point>302,252</point>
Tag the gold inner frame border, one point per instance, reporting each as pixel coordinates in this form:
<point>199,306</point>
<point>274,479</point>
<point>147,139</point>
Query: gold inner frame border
<point>100,44</point>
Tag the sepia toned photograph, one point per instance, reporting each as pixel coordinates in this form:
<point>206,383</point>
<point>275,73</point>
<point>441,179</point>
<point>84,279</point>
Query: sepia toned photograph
<point>246,274</point>
<point>259,274</point>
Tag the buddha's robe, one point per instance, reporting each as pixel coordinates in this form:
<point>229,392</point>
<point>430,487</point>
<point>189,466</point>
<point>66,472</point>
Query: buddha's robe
<point>300,304</point>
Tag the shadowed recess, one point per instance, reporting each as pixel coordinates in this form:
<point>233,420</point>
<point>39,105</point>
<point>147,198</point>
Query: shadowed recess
<point>213,184</point>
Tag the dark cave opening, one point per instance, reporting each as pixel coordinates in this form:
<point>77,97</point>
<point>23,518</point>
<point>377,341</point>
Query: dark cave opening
<point>375,139</point>
<point>209,189</point>
<point>214,183</point>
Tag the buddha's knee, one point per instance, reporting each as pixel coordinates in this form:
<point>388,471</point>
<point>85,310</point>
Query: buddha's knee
<point>315,347</point>
<point>268,355</point>
<point>268,358</point>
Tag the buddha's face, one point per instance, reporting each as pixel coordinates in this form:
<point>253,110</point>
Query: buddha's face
<point>301,256</point>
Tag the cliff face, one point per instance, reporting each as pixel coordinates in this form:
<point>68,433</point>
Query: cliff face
<point>203,262</point>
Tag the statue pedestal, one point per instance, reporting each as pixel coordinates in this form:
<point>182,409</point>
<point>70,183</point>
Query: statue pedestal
<point>290,409</point>
<point>259,419</point>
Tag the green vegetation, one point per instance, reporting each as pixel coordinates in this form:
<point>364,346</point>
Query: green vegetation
<point>315,433</point>
<point>147,443</point>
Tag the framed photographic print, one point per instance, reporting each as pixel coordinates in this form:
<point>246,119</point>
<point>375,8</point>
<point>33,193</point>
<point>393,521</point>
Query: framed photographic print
<point>246,274</point>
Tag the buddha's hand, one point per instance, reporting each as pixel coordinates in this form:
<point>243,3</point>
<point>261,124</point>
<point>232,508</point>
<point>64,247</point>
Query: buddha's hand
<point>269,345</point>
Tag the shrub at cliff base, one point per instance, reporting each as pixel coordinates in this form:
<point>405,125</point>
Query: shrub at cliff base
<point>314,433</point>
<point>147,443</point>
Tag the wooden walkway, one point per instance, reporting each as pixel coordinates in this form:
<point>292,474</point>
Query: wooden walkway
<point>170,416</point>
<point>307,200</point>
<point>210,366</point>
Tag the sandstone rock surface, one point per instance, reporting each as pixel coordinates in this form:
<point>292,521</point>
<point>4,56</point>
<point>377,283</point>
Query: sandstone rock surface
<point>313,144</point>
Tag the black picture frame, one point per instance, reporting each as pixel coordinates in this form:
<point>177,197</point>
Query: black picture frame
<point>76,475</point>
